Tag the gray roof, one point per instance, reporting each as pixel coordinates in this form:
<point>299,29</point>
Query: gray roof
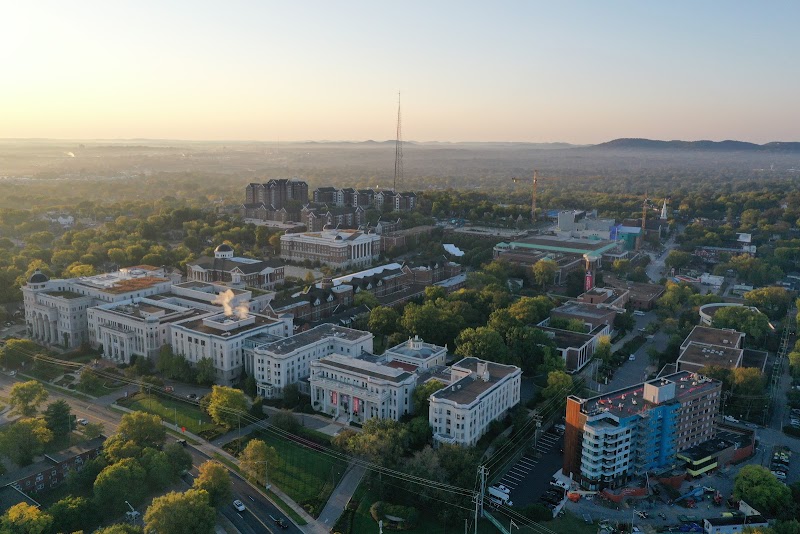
<point>227,264</point>
<point>290,344</point>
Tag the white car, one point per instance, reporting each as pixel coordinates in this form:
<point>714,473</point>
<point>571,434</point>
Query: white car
<point>779,475</point>
<point>83,422</point>
<point>239,505</point>
<point>632,357</point>
<point>729,419</point>
<point>502,488</point>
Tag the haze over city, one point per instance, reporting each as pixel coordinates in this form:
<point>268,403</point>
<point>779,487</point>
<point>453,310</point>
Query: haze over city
<point>577,72</point>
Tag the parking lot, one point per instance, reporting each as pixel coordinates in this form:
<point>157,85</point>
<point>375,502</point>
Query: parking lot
<point>530,476</point>
<point>660,513</point>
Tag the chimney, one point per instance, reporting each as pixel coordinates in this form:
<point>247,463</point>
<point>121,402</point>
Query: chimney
<point>327,283</point>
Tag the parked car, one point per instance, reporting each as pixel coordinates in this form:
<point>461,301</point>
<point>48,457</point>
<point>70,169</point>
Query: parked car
<point>559,428</point>
<point>632,357</point>
<point>780,475</point>
<point>280,522</point>
<point>729,419</point>
<point>83,422</point>
<point>191,396</point>
<point>239,505</point>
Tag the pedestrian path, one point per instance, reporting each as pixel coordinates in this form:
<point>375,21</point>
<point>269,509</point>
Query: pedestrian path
<point>341,495</point>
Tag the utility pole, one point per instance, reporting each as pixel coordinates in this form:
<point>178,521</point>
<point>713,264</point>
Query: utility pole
<point>533,199</point>
<point>482,472</point>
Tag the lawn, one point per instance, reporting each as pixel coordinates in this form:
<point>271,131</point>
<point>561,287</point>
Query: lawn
<point>187,415</point>
<point>305,475</point>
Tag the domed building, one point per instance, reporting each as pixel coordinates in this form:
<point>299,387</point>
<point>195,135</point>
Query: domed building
<point>225,266</point>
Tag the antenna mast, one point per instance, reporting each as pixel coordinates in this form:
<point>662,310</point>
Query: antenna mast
<point>644,222</point>
<point>398,149</point>
<point>533,200</point>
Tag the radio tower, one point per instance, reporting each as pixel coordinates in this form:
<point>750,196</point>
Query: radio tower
<point>398,149</point>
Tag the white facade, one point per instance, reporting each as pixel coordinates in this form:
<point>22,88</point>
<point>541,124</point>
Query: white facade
<point>479,392</point>
<point>135,327</point>
<point>417,353</point>
<point>222,338</point>
<point>360,389</point>
<point>276,364</point>
<point>337,248</point>
<point>56,310</point>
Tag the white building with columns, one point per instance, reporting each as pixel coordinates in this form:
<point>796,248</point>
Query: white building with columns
<point>56,310</point>
<point>222,338</point>
<point>361,388</point>
<point>336,248</point>
<point>278,363</point>
<point>478,393</point>
<point>135,327</point>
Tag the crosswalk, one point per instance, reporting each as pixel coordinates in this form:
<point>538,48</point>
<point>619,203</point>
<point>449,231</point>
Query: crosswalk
<point>520,470</point>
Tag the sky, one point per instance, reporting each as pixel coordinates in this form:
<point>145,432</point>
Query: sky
<point>529,71</point>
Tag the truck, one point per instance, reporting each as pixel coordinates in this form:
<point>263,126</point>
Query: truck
<point>500,495</point>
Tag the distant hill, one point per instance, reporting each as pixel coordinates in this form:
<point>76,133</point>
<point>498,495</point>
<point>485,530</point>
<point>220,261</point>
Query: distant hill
<point>738,146</point>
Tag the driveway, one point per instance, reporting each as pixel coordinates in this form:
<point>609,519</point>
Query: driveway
<point>530,476</point>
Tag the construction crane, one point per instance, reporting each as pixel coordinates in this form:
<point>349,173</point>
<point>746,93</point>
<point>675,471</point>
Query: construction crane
<point>533,195</point>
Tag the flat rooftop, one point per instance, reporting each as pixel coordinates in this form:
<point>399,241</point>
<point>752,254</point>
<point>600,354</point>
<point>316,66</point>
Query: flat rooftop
<point>702,355</point>
<point>583,309</point>
<point>572,245</point>
<point>365,367</point>
<point>75,450</point>
<point>198,325</point>
<point>64,294</point>
<point>565,339</point>
<point>318,333</point>
<point>116,285</point>
<point>755,358</point>
<point>713,336</point>
<point>722,440</point>
<point>415,348</point>
<point>628,401</point>
<point>469,388</point>
<point>639,290</point>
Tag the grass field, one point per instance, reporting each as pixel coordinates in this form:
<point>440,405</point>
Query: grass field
<point>307,476</point>
<point>187,415</point>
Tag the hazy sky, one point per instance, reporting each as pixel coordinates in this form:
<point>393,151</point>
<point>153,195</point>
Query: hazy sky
<point>580,72</point>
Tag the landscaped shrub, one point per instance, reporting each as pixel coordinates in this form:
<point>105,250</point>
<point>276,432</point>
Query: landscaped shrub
<point>386,512</point>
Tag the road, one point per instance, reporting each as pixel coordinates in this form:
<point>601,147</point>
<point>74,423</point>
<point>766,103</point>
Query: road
<point>256,518</point>
<point>655,269</point>
<point>259,508</point>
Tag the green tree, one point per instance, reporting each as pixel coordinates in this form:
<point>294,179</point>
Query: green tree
<point>483,343</point>
<point>89,382</point>
<point>181,513</point>
<point>120,528</point>
<point>25,439</point>
<point>544,272</point>
<point>255,459</point>
<point>753,323</point>
<point>383,441</point>
<point>365,298</point>
<point>156,464</point>
<point>206,373</point>
<point>434,293</point>
<point>773,300</point>
<point>18,352</point>
<point>383,320</point>
<point>558,384</point>
<point>142,428</point>
<point>603,350</point>
<point>24,518</point>
<point>677,259</point>
<point>178,457</point>
<point>26,397</point>
<point>531,310</point>
<point>58,416</point>
<point>226,405</point>
<point>761,490</point>
<point>72,514</point>
<point>215,479</point>
<point>285,420</point>
<point>124,480</point>
<point>421,394</point>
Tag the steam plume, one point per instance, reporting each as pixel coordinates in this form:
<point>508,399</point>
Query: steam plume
<point>225,298</point>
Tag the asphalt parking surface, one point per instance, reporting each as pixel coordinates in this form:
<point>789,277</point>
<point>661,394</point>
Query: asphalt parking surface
<point>530,476</point>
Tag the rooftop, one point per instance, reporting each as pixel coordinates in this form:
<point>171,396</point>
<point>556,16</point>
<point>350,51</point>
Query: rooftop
<point>565,339</point>
<point>10,496</point>
<point>204,324</point>
<point>734,520</point>
<point>115,283</point>
<point>639,290</point>
<point>714,336</point>
<point>702,355</point>
<point>75,450</point>
<point>755,358</point>
<point>318,333</point>
<point>64,294</point>
<point>721,441</point>
<point>469,388</point>
<point>582,309</point>
<point>415,348</point>
<point>628,401</point>
<point>381,271</point>
<point>365,367</point>
<point>571,245</point>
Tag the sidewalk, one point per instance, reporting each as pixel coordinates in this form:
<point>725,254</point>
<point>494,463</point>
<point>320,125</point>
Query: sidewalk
<point>341,496</point>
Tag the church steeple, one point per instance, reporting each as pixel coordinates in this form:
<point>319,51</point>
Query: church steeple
<point>664,210</point>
